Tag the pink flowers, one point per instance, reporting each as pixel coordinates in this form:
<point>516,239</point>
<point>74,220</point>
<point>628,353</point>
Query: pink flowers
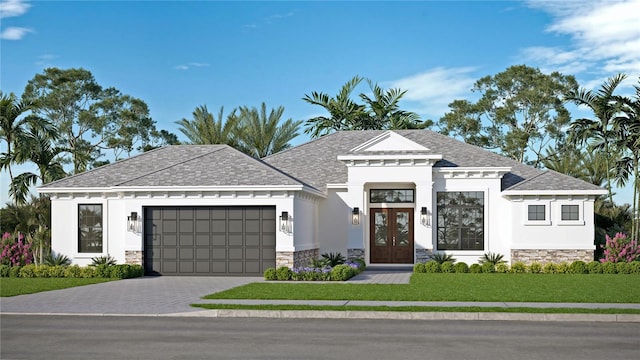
<point>15,253</point>
<point>620,249</point>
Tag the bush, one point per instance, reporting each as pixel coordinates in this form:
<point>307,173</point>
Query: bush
<point>57,271</point>
<point>332,259</point>
<point>419,268</point>
<point>502,268</point>
<point>72,271</point>
<point>342,272</point>
<point>103,260</point>
<point>361,264</point>
<point>87,272</point>
<point>461,268</point>
<point>492,258</point>
<point>135,271</point>
<point>432,267</point>
<point>28,271</point>
<point>441,258</point>
<point>623,268</point>
<point>4,270</point>
<point>535,268</point>
<point>562,268</point>
<point>57,259</point>
<point>283,273</point>
<point>475,269</point>
<point>42,271</point>
<point>102,271</point>
<point>447,267</point>
<point>594,267</point>
<point>620,249</point>
<point>634,267</point>
<point>488,267</point>
<point>15,253</point>
<point>609,268</point>
<point>518,267</point>
<point>578,267</point>
<point>14,272</point>
<point>118,271</point>
<point>550,268</point>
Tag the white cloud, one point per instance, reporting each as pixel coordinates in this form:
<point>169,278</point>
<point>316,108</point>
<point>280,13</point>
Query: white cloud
<point>605,38</point>
<point>196,64</point>
<point>9,8</point>
<point>14,33</point>
<point>190,65</point>
<point>181,67</point>
<point>432,91</point>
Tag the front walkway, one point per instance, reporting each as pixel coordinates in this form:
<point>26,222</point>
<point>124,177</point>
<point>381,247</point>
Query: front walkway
<point>380,276</point>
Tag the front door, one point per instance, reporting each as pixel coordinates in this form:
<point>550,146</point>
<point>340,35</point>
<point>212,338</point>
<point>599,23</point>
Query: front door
<point>391,236</point>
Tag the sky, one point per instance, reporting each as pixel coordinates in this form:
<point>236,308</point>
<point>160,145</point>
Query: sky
<point>178,55</point>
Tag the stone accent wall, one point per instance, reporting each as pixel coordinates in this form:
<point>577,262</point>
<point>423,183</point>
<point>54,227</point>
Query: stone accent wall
<point>423,255</point>
<point>133,257</point>
<point>544,256</point>
<point>355,254</point>
<point>293,259</point>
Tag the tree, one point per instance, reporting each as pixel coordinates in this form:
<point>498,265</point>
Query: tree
<point>261,135</point>
<point>521,111</point>
<point>12,129</point>
<point>204,129</point>
<point>384,110</point>
<point>88,117</point>
<point>599,133</point>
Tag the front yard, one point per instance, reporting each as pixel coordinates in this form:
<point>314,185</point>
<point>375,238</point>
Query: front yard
<point>22,286</point>
<point>579,288</point>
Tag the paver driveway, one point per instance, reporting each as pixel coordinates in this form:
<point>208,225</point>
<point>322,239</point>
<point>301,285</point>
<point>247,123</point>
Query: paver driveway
<point>146,295</point>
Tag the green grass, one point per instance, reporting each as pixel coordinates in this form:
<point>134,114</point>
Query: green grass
<point>21,286</point>
<point>596,288</point>
<point>421,309</point>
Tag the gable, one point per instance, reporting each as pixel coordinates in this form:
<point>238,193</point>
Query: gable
<point>389,141</point>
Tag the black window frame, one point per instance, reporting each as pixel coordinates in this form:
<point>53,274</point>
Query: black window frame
<point>570,212</point>
<point>391,195</point>
<point>537,212</point>
<point>88,245</point>
<point>447,207</point>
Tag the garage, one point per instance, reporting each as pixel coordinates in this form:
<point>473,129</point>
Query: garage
<point>209,241</point>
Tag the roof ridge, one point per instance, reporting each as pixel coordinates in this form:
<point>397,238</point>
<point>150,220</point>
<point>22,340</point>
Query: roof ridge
<point>217,148</point>
<point>273,167</point>
<point>529,179</point>
<point>312,141</point>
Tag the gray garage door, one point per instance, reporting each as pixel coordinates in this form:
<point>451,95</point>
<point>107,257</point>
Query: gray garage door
<point>209,240</point>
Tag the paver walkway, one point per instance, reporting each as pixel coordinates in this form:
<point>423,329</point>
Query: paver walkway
<point>382,277</point>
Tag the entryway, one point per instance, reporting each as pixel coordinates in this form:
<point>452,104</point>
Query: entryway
<point>391,235</point>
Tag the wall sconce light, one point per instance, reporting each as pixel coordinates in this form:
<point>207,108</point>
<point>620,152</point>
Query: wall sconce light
<point>285,223</point>
<point>133,223</point>
<point>424,216</point>
<point>355,216</point>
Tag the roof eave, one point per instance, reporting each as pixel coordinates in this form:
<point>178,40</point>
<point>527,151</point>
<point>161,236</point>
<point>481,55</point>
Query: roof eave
<point>553,192</point>
<point>117,189</point>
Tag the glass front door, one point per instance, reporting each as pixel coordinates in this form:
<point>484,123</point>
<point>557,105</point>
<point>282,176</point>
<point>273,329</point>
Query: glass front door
<point>391,236</point>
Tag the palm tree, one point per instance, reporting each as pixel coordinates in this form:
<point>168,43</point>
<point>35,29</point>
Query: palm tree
<point>384,111</point>
<point>261,135</point>
<point>203,129</point>
<point>12,128</point>
<point>344,113</point>
<point>600,132</point>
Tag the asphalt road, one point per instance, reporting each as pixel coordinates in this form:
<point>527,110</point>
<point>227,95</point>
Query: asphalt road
<point>84,337</point>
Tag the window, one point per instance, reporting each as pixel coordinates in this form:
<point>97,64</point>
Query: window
<point>391,196</point>
<point>90,228</point>
<point>536,213</point>
<point>460,220</point>
<point>570,213</point>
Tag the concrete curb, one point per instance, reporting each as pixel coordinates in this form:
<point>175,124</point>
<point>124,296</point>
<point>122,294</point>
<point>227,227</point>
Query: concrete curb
<point>374,315</point>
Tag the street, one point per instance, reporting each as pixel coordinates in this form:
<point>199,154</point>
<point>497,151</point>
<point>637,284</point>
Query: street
<point>86,337</point>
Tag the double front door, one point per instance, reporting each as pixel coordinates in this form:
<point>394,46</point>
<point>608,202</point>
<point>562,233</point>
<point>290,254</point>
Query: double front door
<point>391,236</point>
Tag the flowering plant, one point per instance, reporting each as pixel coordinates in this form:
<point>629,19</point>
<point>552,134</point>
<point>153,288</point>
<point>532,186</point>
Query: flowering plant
<point>15,252</point>
<point>620,249</point>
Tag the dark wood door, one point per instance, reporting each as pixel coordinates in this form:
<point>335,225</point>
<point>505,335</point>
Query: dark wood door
<point>391,236</point>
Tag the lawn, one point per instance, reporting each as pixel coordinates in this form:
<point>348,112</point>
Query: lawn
<point>21,286</point>
<point>595,288</point>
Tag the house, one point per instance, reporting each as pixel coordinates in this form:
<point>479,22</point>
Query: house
<point>388,197</point>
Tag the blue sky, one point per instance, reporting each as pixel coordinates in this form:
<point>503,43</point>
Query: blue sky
<point>179,55</point>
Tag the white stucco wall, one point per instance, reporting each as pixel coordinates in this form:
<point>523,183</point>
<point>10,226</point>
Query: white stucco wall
<point>334,223</point>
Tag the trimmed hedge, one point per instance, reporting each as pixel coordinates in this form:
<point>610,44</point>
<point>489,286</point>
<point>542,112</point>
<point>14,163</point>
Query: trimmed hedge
<point>121,271</point>
<point>518,267</point>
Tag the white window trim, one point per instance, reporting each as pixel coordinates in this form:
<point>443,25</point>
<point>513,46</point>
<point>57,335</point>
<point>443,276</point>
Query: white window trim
<point>579,222</point>
<point>547,213</point>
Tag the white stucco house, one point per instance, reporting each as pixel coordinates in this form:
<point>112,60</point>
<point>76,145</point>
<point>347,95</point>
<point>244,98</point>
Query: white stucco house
<point>388,197</point>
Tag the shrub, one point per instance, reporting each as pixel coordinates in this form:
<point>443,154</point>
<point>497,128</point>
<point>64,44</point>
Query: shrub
<point>609,268</point>
<point>634,267</point>
<point>15,253</point>
<point>87,272</point>
<point>594,267</point>
<point>270,274</point>
<point>283,273</point>
<point>4,270</point>
<point>562,268</point>
<point>361,264</point>
<point>550,268</point>
<point>332,259</point>
<point>447,267</point>
<point>488,267</point>
<point>72,271</point>
<point>620,249</point>
<point>419,268</point>
<point>28,271</point>
<point>492,258</point>
<point>535,268</point>
<point>461,268</point>
<point>102,271</point>
<point>475,268</point>
<point>118,271</point>
<point>57,259</point>
<point>432,267</point>
<point>42,271</point>
<point>15,271</point>
<point>103,260</point>
<point>518,267</point>
<point>342,272</point>
<point>441,258</point>
<point>578,267</point>
<point>57,271</point>
<point>623,268</point>
<point>502,268</point>
<point>135,271</point>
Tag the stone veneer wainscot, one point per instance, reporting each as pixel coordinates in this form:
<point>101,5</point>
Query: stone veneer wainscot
<point>293,259</point>
<point>544,256</point>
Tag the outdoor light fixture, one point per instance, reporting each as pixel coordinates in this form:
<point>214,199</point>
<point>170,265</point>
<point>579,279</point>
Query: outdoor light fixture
<point>133,222</point>
<point>424,216</point>
<point>355,216</point>
<point>285,223</point>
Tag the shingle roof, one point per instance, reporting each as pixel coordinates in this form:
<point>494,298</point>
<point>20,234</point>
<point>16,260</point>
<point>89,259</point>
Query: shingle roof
<point>181,165</point>
<point>316,162</point>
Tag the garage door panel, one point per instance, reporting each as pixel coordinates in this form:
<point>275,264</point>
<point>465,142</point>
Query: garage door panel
<point>209,240</point>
